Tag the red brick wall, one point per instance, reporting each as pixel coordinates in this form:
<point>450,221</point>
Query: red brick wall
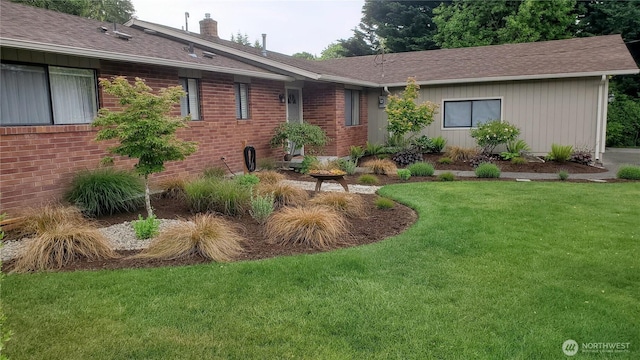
<point>37,163</point>
<point>323,105</point>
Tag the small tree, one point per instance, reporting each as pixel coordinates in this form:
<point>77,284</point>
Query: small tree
<point>405,116</point>
<point>292,136</point>
<point>493,133</point>
<point>144,129</point>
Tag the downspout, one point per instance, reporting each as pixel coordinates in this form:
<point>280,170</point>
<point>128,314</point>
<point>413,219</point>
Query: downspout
<point>599,118</point>
<point>605,104</point>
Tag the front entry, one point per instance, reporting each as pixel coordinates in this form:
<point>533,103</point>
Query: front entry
<point>294,110</point>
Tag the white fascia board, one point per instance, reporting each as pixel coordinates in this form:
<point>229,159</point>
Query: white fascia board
<point>107,55</point>
<point>348,81</point>
<point>225,49</point>
<point>518,77</point>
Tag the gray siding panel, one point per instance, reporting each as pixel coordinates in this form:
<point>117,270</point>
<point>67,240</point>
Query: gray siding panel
<point>562,111</point>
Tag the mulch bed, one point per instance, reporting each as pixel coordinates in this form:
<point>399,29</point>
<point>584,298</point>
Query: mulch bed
<point>378,225</point>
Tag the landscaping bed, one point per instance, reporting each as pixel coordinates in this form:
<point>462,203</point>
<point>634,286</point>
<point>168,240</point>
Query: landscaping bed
<point>377,225</point>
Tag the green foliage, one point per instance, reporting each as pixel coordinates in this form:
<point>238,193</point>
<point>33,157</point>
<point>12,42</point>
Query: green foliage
<point>107,161</point>
<point>355,153</point>
<point>518,160</point>
<point>348,166</point>
<point>629,172</point>
<point>560,153</point>
<point>422,143</point>
<point>304,55</point>
<point>5,334</point>
<point>262,207</point>
<point>404,174</point>
<point>487,170</point>
<point>563,175</point>
<point>623,121</point>
<point>224,196</point>
<point>437,144</point>
<point>404,115</point>
<point>333,51</point>
<point>493,133</point>
<point>446,176</point>
<point>445,161</point>
<point>465,23</point>
<point>214,172</point>
<point>309,162</point>
<point>421,169</point>
<point>106,191</point>
<point>292,136</point>
<point>383,203</point>
<point>146,228</point>
<point>368,179</point>
<point>266,164</point>
<point>143,128</point>
<point>374,149</point>
<point>247,180</point>
<point>515,148</point>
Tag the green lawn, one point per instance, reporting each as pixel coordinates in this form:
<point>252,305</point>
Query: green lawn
<point>492,270</point>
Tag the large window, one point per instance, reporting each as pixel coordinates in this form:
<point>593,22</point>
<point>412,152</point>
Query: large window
<point>44,95</point>
<point>190,104</point>
<point>470,113</point>
<point>351,107</point>
<point>242,101</point>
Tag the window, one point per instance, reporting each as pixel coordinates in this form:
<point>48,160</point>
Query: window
<point>242,101</point>
<point>351,107</point>
<point>470,113</point>
<point>190,104</point>
<point>44,95</point>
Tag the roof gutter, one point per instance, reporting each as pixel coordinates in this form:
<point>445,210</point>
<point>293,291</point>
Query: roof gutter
<point>517,78</point>
<point>349,81</point>
<point>225,49</point>
<point>108,55</point>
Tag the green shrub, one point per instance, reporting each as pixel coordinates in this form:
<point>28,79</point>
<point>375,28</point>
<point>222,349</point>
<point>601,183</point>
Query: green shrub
<point>266,164</point>
<point>384,203</point>
<point>223,196</point>
<point>446,176</point>
<point>146,228</point>
<point>348,166</point>
<point>493,133</point>
<point>214,172</point>
<point>563,175</point>
<point>445,161</point>
<point>629,172</point>
<point>518,160</point>
<point>106,191</point>
<point>373,149</point>
<point>421,169</point>
<point>368,179</point>
<point>623,121</point>
<point>515,148</point>
<point>422,143</point>
<point>404,174</point>
<point>438,144</point>
<point>487,170</point>
<point>262,207</point>
<point>560,153</point>
<point>247,179</point>
<point>355,153</point>
<point>309,162</point>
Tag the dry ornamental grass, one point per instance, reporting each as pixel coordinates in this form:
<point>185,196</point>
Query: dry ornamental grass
<point>269,177</point>
<point>206,235</point>
<point>381,166</point>
<point>351,205</point>
<point>284,194</point>
<point>39,220</point>
<point>316,226</point>
<point>62,243</point>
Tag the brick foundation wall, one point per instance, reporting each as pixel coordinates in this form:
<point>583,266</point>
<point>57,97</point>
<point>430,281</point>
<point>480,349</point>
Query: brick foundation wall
<point>37,163</point>
<point>323,105</point>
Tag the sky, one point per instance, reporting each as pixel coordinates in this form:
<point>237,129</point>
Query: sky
<point>291,25</point>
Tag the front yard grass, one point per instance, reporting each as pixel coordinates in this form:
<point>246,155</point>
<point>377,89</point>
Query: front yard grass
<point>491,270</point>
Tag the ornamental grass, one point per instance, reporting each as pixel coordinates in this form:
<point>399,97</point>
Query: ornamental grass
<point>316,226</point>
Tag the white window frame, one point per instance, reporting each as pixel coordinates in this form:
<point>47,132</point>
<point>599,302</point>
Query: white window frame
<point>237,88</point>
<point>50,97</point>
<point>192,100</point>
<point>355,110</point>
<point>443,101</point>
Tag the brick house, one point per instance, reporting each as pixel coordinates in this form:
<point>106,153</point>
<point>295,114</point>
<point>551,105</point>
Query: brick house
<point>554,91</point>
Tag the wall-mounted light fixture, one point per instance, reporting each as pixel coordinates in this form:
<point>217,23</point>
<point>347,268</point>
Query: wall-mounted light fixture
<point>281,98</point>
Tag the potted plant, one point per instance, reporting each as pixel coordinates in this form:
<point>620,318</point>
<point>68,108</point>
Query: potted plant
<point>292,136</point>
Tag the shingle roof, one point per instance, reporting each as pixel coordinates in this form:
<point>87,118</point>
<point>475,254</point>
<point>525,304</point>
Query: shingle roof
<point>600,54</point>
<point>31,24</point>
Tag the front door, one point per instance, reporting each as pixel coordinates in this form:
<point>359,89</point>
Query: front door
<point>294,110</point>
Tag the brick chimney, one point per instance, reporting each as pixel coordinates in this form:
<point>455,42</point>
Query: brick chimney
<point>208,26</point>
